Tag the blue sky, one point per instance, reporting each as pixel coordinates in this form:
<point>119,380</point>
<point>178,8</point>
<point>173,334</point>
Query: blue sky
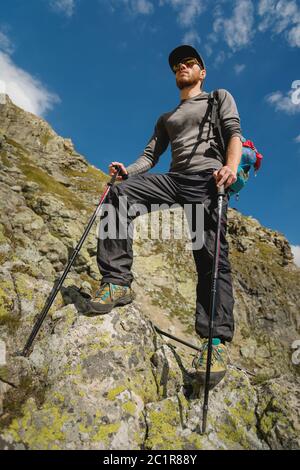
<point>97,71</point>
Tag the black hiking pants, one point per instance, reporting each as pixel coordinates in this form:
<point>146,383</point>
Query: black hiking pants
<point>115,254</point>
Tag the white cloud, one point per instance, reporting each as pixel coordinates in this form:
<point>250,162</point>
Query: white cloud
<point>133,7</point>
<point>296,253</point>
<point>293,36</point>
<point>144,7</point>
<point>208,50</point>
<point>5,43</point>
<point>210,42</point>
<point>219,58</point>
<point>283,103</point>
<point>238,68</point>
<point>297,139</point>
<point>188,10</point>
<point>25,90</point>
<point>277,14</point>
<point>281,16</point>
<point>191,37</point>
<point>67,7</point>
<point>238,30</point>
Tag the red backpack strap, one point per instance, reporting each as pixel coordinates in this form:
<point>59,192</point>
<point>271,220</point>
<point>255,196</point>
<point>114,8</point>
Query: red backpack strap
<point>259,158</point>
<point>250,144</point>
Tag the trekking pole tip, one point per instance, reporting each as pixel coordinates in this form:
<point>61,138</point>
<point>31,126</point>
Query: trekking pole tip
<point>203,430</point>
<point>23,353</point>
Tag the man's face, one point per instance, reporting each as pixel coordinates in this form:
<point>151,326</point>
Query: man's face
<point>188,75</point>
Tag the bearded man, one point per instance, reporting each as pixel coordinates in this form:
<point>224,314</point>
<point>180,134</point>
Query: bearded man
<point>198,167</point>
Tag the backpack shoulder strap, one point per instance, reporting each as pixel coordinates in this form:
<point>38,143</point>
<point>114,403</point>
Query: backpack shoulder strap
<point>214,99</point>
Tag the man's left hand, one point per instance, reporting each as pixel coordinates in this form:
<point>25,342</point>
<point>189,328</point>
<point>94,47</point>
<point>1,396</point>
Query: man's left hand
<point>226,176</point>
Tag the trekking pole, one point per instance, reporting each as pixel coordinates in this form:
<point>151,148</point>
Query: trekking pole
<point>181,341</point>
<point>57,287</point>
<point>221,194</point>
<point>193,346</point>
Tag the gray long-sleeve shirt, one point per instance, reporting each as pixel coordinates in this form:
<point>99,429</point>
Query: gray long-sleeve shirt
<point>187,128</point>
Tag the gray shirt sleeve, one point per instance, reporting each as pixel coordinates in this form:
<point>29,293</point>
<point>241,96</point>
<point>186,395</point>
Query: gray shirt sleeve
<point>229,116</point>
<point>157,144</point>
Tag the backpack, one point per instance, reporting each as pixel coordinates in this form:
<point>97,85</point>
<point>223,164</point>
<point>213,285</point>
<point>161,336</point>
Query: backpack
<point>250,158</point>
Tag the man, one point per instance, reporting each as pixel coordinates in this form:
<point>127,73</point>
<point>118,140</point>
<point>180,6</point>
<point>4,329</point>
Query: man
<point>198,166</point>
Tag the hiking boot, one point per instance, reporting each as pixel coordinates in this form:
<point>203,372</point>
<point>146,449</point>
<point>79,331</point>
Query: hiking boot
<point>218,363</point>
<point>109,296</point>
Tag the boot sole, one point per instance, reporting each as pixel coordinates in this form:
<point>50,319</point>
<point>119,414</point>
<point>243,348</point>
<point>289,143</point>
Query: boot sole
<point>95,307</point>
<point>215,378</point>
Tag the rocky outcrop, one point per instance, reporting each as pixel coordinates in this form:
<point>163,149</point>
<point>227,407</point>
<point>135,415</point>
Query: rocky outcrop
<point>111,382</point>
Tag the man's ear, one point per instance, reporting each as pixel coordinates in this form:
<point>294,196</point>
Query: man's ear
<point>202,74</point>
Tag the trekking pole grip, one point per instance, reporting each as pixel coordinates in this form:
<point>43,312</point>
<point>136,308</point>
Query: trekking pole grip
<point>221,190</point>
<point>114,177</point>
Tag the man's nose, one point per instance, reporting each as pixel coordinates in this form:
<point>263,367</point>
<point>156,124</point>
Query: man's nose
<point>182,66</point>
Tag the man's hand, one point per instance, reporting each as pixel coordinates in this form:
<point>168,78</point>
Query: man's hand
<point>226,176</point>
<point>113,170</point>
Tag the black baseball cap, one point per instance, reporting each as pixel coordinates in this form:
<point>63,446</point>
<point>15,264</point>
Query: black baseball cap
<point>182,52</point>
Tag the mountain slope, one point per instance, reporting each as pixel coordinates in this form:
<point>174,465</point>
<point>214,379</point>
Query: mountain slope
<point>110,381</point>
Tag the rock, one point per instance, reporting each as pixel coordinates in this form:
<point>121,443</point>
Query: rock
<point>13,169</point>
<point>37,358</point>
<point>28,222</point>
<point>17,189</point>
<point>279,421</point>
<point>30,187</point>
<point>47,205</point>
<point>60,178</point>
<point>110,381</point>
<point>53,248</point>
<point>68,145</point>
<point>249,348</point>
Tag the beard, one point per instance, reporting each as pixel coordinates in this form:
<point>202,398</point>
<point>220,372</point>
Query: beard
<point>187,80</point>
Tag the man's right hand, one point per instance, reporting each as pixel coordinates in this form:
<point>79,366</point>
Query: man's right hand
<point>113,170</point>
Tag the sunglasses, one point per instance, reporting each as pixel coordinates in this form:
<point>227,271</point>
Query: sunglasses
<point>189,62</point>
